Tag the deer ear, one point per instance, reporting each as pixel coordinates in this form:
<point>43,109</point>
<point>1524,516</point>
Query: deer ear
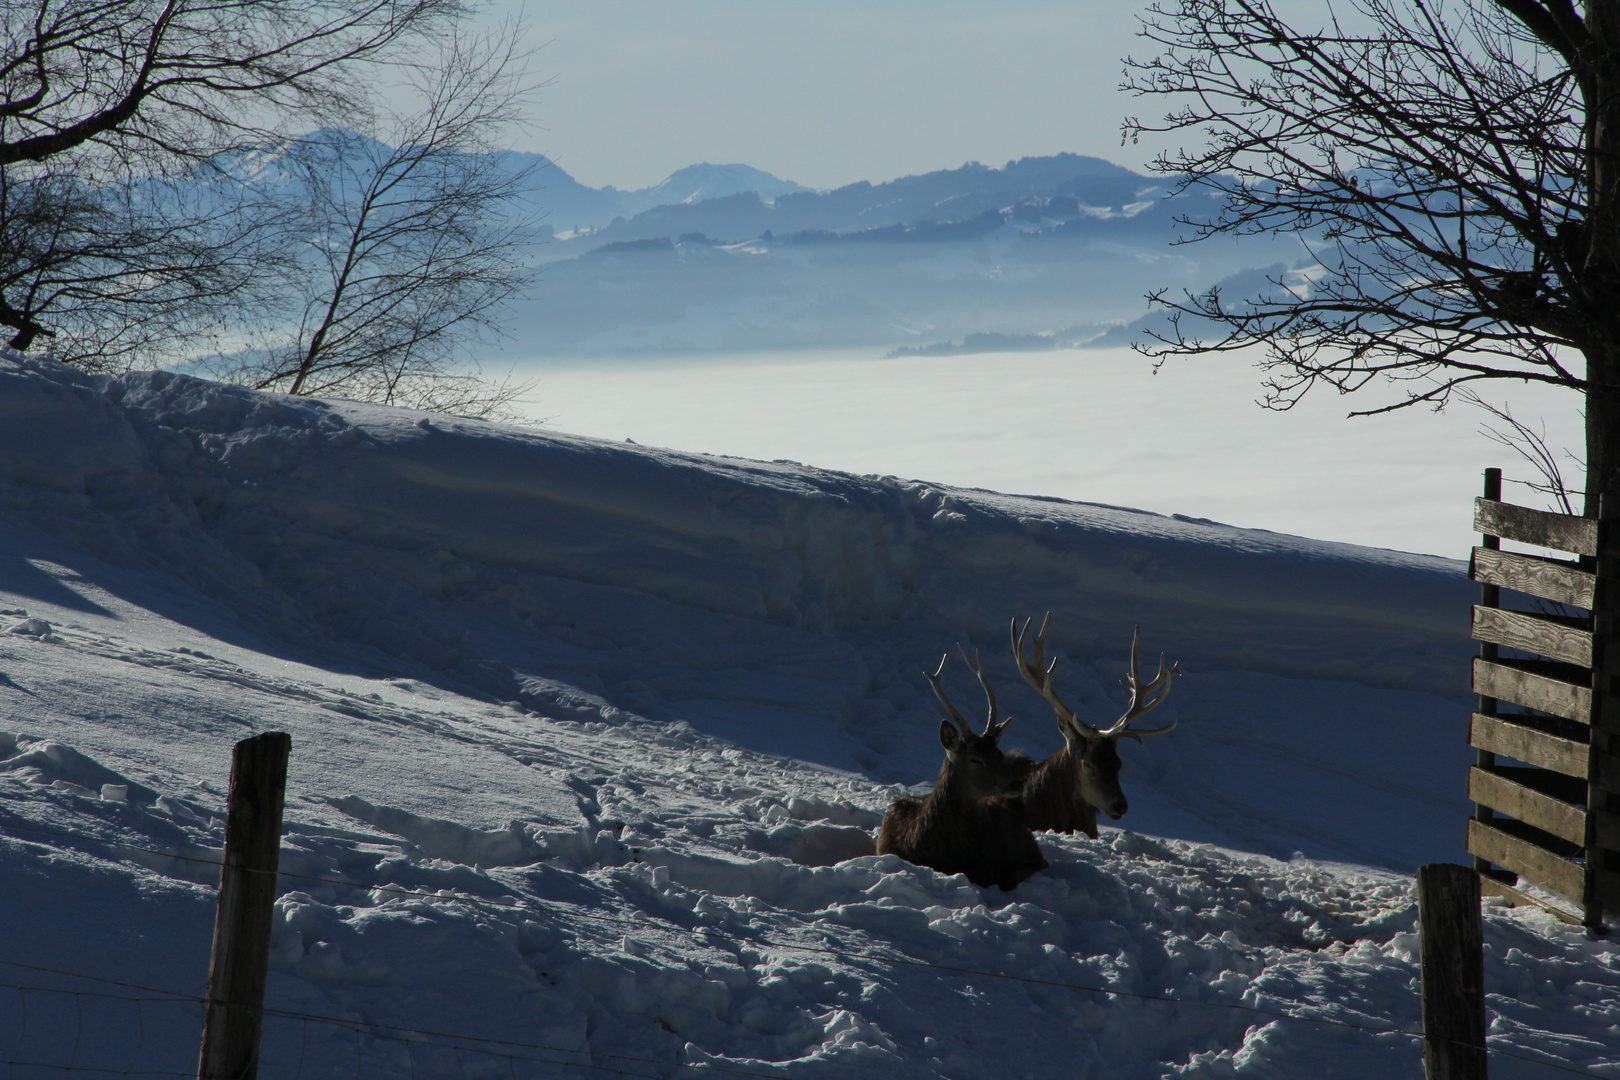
<point>949,737</point>
<point>1070,733</point>
<point>996,729</point>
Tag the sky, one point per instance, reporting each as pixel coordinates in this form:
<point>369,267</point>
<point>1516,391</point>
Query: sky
<point>824,93</point>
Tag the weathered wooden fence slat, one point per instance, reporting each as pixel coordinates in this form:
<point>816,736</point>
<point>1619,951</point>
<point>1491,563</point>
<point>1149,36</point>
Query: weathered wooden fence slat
<point>1554,821</point>
<point>1492,841</point>
<point>1534,684</point>
<point>1489,886</point>
<point>1502,735</point>
<point>1522,800</point>
<point>1554,785</point>
<point>1544,635</point>
<point>1561,532</point>
<point>1550,579</point>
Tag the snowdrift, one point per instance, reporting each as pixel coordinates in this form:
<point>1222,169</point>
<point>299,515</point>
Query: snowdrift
<point>590,740</point>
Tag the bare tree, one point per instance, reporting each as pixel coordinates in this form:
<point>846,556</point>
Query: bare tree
<point>118,243</point>
<point>150,81</point>
<point>1449,166</point>
<point>404,245</point>
<point>119,273</point>
<point>157,201</point>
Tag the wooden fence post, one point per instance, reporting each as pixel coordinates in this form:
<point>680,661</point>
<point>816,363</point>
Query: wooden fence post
<point>1602,823</point>
<point>1490,596</point>
<point>234,1010</point>
<point>1451,953</point>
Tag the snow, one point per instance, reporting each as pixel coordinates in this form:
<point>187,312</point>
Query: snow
<point>1096,425</point>
<point>591,739</point>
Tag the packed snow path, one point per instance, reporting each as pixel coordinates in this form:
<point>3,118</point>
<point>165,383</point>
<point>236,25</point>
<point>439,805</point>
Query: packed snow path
<point>590,742</point>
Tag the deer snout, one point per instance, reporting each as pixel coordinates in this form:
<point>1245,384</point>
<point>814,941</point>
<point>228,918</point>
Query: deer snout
<point>1116,810</point>
<point>1011,787</point>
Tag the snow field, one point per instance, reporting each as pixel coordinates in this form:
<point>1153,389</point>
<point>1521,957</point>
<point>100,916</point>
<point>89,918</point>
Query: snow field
<point>714,949</point>
<point>590,742</point>
<point>1090,424</point>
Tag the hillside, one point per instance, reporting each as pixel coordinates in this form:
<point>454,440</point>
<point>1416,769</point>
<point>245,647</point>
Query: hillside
<point>589,740</point>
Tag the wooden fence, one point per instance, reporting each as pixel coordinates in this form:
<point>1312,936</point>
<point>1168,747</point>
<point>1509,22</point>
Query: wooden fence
<point>1555,818</point>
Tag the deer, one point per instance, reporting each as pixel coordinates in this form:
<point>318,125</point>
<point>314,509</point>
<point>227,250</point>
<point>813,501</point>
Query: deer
<point>1064,792</point>
<point>965,824</point>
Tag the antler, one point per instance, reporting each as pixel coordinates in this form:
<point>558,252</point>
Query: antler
<point>933,680</point>
<point>989,694</point>
<point>1038,672</point>
<point>1142,701</point>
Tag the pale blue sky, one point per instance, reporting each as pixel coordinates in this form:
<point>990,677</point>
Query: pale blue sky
<point>825,92</point>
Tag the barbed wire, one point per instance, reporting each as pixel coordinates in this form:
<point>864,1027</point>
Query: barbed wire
<point>554,907</point>
<point>93,1069</point>
<point>393,1032</point>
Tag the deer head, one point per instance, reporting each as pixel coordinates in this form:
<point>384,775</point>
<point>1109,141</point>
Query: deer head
<point>976,767</point>
<point>1094,751</point>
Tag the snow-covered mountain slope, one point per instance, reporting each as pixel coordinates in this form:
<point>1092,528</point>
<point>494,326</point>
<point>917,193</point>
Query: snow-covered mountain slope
<point>1059,195</point>
<point>697,183</point>
<point>556,199</point>
<point>590,741</point>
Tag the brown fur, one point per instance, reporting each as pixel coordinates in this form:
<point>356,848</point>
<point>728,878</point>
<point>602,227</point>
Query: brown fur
<point>1054,796</point>
<point>963,826</point>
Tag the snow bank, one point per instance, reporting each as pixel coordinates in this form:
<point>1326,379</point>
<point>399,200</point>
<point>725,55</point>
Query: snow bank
<point>486,517</point>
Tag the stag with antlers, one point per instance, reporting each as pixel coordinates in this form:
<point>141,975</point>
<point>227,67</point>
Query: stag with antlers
<point>964,825</point>
<point>1064,792</point>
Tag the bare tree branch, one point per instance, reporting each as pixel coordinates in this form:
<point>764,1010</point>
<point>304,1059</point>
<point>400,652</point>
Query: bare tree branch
<point>140,82</point>
<point>1531,445</point>
<point>116,274</point>
<point>1445,165</point>
<point>405,248</point>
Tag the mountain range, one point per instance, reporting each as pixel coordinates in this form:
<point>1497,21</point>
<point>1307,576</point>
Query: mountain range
<point>563,204</point>
<point>728,203</point>
<point>1055,251</point>
<point>1041,252</point>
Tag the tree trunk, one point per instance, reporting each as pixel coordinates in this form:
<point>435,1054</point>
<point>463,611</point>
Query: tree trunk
<point>1602,427</point>
<point>27,329</point>
<point>1601,55</point>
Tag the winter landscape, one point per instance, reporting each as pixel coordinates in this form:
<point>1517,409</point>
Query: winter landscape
<point>602,667</point>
